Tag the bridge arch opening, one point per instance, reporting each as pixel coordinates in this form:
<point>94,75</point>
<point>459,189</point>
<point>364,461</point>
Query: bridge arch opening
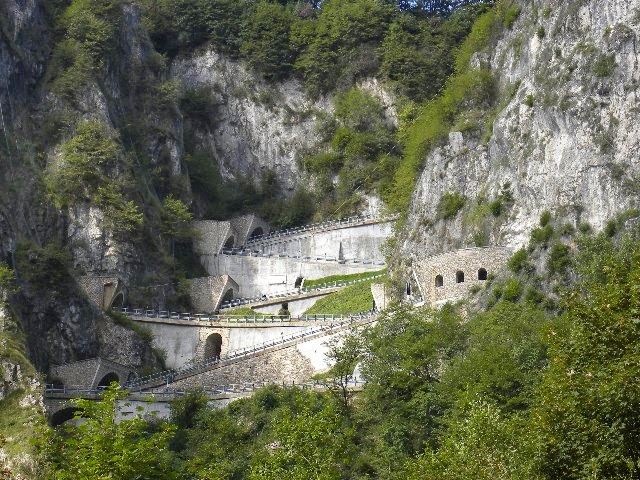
<point>63,415</point>
<point>298,283</point>
<point>459,276</point>
<point>257,232</point>
<point>108,379</point>
<point>230,242</point>
<point>213,346</point>
<point>118,301</point>
<point>439,281</point>
<point>482,274</point>
<point>228,295</point>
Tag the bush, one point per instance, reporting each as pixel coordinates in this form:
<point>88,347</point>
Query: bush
<point>449,205</point>
<point>604,65</point>
<point>510,16</point>
<point>559,259</point>
<point>512,290</point>
<point>541,32</point>
<point>542,235</point>
<point>519,262</point>
<point>545,218</point>
<point>529,101</point>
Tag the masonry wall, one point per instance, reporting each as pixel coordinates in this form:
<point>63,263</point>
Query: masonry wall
<point>268,275</point>
<point>207,292</point>
<point>297,363</point>
<point>89,372</point>
<point>101,291</point>
<point>469,261</point>
<point>185,343</point>
<point>212,236</point>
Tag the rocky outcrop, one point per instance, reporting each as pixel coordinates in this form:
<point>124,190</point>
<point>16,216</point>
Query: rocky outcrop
<point>254,126</point>
<point>566,141</point>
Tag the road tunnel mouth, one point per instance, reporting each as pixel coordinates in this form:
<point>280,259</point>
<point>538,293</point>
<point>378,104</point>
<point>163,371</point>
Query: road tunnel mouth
<point>108,379</point>
<point>213,346</point>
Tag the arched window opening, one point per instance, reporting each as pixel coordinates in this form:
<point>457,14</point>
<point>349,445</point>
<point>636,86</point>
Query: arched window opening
<point>213,346</point>
<point>228,295</point>
<point>298,283</point>
<point>459,276</point>
<point>482,274</point>
<point>439,281</point>
<point>230,242</point>
<point>257,232</point>
<point>108,378</point>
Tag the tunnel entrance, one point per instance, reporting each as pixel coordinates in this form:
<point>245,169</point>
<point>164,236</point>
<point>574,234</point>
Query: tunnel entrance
<point>213,346</point>
<point>257,232</point>
<point>108,378</point>
<point>228,296</point>
<point>229,242</point>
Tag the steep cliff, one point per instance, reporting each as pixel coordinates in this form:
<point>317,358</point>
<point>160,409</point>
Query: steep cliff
<point>565,138</point>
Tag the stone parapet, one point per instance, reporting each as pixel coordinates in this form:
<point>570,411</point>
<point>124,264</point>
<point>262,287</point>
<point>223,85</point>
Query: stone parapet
<point>448,277</point>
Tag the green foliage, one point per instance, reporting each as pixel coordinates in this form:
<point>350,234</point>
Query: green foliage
<point>481,444</point>
<point>541,32</point>
<point>100,447</point>
<point>519,262</point>
<point>559,259</point>
<point>545,218</point>
<point>176,218</point>
<point>529,101</point>
<point>358,110</point>
<point>604,65</point>
<point>47,269</point>
<point>510,16</point>
<point>340,278</point>
<point>310,444</point>
<point>265,43</point>
<point>542,235</point>
<point>122,217</point>
<point>7,278</point>
<point>449,205</point>
<point>588,408</point>
<point>350,300</point>
<point>75,175</point>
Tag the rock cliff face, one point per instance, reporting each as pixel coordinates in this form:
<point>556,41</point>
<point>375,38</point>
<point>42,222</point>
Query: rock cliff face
<point>567,141</point>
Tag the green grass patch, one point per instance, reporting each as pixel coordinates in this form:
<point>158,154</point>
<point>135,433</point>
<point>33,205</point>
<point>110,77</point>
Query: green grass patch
<point>350,300</point>
<point>341,278</point>
<point>121,319</point>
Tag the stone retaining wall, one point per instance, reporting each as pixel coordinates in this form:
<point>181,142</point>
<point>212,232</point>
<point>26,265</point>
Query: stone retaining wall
<point>469,261</point>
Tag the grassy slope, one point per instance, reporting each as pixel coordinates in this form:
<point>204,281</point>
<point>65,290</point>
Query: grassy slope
<point>353,299</point>
<point>340,278</point>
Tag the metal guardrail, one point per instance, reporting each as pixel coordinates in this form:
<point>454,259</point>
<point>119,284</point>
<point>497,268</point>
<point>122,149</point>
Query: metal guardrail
<point>233,356</point>
<point>243,252</point>
<point>205,317</point>
<point>328,225</point>
<point>166,393</point>
<point>237,302</point>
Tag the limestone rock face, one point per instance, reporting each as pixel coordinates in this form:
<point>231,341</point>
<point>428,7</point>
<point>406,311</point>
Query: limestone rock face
<point>255,126</point>
<point>567,141</point>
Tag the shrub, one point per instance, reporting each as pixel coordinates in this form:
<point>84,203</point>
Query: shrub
<point>358,110</point>
<point>7,278</point>
<point>604,65</point>
<point>542,235</point>
<point>541,32</point>
<point>519,262</point>
<point>510,16</point>
<point>449,205</point>
<point>559,258</point>
<point>512,290</point>
<point>545,218</point>
<point>529,101</point>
